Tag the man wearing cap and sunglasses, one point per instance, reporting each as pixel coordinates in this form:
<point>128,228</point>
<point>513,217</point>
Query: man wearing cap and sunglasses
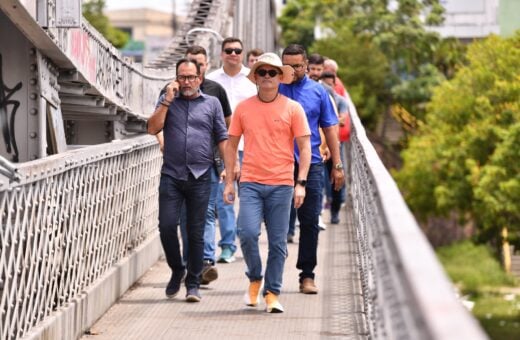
<point>270,124</point>
<point>233,78</point>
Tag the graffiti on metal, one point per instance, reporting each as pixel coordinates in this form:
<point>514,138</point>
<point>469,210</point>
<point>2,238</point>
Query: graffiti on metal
<point>83,54</point>
<point>7,117</point>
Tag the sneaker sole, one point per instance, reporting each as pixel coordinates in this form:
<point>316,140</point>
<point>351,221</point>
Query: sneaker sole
<point>209,276</point>
<point>274,310</point>
<point>308,292</point>
<point>192,298</point>
<point>171,296</point>
<point>230,260</point>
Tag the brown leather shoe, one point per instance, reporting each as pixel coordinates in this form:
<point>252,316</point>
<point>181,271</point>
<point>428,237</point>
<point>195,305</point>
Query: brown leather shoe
<point>308,286</point>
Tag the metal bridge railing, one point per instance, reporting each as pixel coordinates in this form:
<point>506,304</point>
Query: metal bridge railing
<point>406,293</point>
<point>69,220</point>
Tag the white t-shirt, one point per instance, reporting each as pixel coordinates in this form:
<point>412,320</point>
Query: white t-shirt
<point>238,88</point>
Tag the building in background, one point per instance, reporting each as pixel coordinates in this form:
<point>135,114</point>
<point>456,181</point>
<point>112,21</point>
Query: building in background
<point>474,19</point>
<point>150,31</point>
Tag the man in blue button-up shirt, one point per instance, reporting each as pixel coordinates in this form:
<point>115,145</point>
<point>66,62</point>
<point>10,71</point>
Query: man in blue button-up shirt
<point>192,123</point>
<point>320,114</point>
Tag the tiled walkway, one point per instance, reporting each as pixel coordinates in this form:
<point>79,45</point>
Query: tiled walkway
<point>335,313</point>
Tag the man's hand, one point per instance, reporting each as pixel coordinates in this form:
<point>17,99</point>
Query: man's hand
<point>337,178</point>
<point>325,154</point>
<point>171,89</point>
<point>299,195</point>
<point>229,193</point>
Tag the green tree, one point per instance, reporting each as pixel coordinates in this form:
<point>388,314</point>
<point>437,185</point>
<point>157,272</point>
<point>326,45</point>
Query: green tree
<point>297,22</point>
<point>93,12</point>
<point>364,69</point>
<point>397,29</point>
<point>465,157</point>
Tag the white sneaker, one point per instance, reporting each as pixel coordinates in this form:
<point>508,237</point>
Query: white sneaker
<point>272,305</point>
<point>322,224</point>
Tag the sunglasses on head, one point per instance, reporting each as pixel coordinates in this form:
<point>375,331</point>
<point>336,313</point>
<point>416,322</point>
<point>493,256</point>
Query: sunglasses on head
<point>231,50</point>
<point>263,73</point>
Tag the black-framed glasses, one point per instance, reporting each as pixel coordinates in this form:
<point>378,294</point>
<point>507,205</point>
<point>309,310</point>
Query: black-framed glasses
<point>297,67</point>
<point>263,73</point>
<point>231,50</point>
<point>188,78</point>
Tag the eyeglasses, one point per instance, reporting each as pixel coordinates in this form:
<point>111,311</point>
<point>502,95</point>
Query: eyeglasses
<point>297,67</point>
<point>231,50</point>
<point>263,73</point>
<point>188,78</point>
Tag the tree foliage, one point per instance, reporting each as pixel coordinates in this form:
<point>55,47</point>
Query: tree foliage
<point>466,156</point>
<point>93,12</point>
<point>364,69</point>
<point>297,22</point>
<point>417,58</point>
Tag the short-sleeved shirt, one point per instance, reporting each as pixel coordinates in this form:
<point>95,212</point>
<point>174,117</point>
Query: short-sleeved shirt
<point>191,129</point>
<point>269,130</point>
<point>238,87</point>
<point>318,109</point>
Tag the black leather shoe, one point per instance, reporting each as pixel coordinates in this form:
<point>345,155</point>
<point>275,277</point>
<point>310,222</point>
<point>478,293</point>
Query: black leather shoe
<point>174,285</point>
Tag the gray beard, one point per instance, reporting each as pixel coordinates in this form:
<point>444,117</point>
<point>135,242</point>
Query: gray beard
<point>189,93</point>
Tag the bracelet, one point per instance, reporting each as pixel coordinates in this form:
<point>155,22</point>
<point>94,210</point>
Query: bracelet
<point>164,104</point>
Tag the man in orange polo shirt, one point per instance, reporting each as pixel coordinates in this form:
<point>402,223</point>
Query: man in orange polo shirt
<point>270,123</point>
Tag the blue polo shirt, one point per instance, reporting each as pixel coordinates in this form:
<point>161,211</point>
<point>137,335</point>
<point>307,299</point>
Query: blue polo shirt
<point>191,129</point>
<point>318,108</point>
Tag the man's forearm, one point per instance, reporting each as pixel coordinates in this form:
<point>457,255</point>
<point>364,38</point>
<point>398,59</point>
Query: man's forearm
<point>304,145</point>
<point>156,121</point>
<point>230,157</point>
<point>331,135</point>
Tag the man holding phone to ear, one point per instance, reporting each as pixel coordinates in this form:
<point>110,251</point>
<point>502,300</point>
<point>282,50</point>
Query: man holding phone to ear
<point>192,123</point>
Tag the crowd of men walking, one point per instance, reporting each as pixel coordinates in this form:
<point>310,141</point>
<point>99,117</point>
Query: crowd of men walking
<point>269,133</point>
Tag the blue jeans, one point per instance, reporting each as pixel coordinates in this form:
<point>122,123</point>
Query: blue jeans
<point>209,226</point>
<point>226,221</point>
<point>309,214</point>
<point>172,194</point>
<point>272,202</point>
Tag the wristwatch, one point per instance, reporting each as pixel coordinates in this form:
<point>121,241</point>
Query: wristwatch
<point>302,182</point>
<point>338,166</point>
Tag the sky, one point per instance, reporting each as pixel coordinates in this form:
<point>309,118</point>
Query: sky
<point>162,5</point>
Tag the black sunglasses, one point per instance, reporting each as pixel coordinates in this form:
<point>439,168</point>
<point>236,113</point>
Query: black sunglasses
<point>263,73</point>
<point>231,50</point>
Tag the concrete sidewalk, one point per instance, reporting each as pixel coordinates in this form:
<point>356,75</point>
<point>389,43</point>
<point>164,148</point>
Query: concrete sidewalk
<point>335,312</point>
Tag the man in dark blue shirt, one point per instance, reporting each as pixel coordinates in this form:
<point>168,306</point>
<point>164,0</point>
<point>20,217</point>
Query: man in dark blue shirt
<point>212,88</point>
<point>192,124</point>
